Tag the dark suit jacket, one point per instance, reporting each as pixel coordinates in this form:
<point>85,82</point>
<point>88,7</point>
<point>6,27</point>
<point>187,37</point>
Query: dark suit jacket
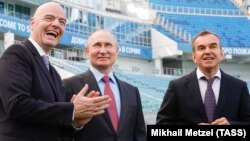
<point>182,103</point>
<point>131,124</point>
<point>31,97</point>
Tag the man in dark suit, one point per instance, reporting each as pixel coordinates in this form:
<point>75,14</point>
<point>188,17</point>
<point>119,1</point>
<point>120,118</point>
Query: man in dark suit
<point>102,51</point>
<point>32,102</point>
<point>192,99</point>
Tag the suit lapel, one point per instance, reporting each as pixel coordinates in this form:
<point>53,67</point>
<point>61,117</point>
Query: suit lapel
<point>223,94</point>
<point>57,83</point>
<point>193,89</point>
<point>45,71</point>
<point>124,104</point>
<point>41,64</point>
<point>89,78</point>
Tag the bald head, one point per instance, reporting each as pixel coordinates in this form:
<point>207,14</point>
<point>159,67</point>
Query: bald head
<point>48,6</point>
<point>47,26</point>
<point>97,33</point>
<point>102,50</point>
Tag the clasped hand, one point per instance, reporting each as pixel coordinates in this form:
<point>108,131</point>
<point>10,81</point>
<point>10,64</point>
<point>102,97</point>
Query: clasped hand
<point>86,107</point>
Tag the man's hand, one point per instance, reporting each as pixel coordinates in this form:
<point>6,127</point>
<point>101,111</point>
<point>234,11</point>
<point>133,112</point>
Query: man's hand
<point>91,105</point>
<point>221,121</point>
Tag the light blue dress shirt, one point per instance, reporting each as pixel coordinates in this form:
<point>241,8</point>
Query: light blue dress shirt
<point>113,84</point>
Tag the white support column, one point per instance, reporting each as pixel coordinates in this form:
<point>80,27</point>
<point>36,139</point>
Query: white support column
<point>8,39</point>
<point>158,65</point>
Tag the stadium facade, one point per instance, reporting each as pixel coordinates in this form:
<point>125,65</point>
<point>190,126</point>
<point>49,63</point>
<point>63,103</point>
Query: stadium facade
<point>154,36</point>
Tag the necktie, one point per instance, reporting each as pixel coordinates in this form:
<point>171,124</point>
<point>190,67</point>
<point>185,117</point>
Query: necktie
<point>46,61</point>
<point>210,102</point>
<point>112,110</point>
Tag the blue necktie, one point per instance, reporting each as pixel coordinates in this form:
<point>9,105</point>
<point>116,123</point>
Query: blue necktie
<point>210,102</point>
<point>46,61</point>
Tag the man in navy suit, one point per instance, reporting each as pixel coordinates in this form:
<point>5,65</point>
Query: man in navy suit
<point>32,102</point>
<point>184,101</point>
<point>102,51</point>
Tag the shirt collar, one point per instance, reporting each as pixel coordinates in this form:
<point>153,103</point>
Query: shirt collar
<point>98,75</point>
<point>200,74</point>
<point>38,47</point>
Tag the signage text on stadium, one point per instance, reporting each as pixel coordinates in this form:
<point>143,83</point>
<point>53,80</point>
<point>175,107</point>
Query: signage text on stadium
<point>237,51</point>
<point>130,50</point>
<point>21,27</point>
<point>78,40</point>
<point>13,25</point>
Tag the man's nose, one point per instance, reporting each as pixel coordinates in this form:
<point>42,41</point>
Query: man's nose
<point>56,22</point>
<point>207,50</point>
<point>103,49</point>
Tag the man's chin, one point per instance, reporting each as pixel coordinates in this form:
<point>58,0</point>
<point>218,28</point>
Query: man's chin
<point>51,42</point>
<point>51,45</point>
<point>103,63</point>
<point>209,68</point>
<point>102,66</point>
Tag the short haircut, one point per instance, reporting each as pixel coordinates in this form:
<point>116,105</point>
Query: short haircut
<point>202,33</point>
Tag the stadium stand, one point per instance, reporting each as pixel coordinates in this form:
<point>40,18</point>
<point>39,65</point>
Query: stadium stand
<point>151,87</point>
<point>177,20</point>
<point>215,4</point>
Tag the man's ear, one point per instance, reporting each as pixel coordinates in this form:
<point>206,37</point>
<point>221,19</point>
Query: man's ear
<point>222,54</point>
<point>87,52</point>
<point>32,24</point>
<point>193,57</point>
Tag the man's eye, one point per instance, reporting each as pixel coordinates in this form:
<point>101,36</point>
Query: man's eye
<point>200,48</point>
<point>214,46</point>
<point>63,23</point>
<point>49,18</point>
<point>97,46</point>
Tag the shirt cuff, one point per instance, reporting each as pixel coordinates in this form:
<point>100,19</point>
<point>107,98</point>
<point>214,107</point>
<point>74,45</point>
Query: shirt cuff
<point>77,128</point>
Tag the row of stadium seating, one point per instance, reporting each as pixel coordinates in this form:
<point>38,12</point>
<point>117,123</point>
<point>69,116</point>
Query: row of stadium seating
<point>231,36</point>
<point>125,32</point>
<point>151,87</point>
<point>227,4</point>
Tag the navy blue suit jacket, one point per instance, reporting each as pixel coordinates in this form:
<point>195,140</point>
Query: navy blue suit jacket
<point>182,103</point>
<point>32,103</point>
<point>131,124</point>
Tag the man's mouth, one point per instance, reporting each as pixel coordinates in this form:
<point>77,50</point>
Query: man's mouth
<point>52,33</point>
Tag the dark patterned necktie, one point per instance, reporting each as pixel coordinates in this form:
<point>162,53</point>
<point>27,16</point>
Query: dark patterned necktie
<point>46,61</point>
<point>210,102</point>
<point>112,110</point>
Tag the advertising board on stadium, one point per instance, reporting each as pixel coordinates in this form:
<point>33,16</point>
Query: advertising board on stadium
<point>21,28</point>
<point>237,51</point>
